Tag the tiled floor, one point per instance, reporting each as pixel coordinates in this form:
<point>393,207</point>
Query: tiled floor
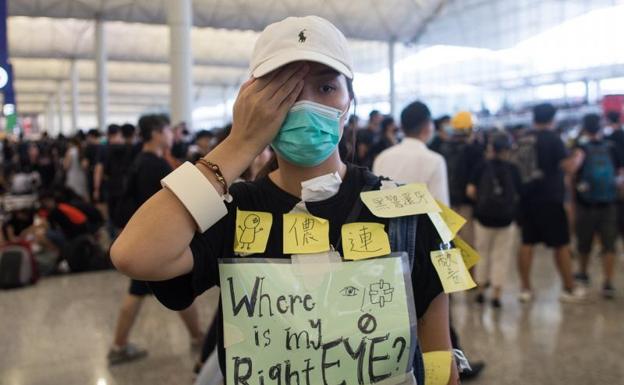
<point>59,331</point>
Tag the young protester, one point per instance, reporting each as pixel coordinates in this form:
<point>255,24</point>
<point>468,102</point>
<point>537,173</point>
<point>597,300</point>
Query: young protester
<point>296,100</point>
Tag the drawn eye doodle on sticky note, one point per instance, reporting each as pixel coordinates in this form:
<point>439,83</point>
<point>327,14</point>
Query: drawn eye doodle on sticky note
<point>437,367</point>
<point>362,240</point>
<point>305,234</point>
<point>452,270</point>
<point>252,231</point>
<point>410,199</point>
<point>349,291</point>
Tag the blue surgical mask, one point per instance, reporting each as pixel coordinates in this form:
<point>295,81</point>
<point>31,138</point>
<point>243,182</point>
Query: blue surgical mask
<point>309,135</point>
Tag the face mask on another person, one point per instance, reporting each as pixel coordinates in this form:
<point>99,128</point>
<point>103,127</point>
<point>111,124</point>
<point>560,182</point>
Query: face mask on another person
<point>309,135</point>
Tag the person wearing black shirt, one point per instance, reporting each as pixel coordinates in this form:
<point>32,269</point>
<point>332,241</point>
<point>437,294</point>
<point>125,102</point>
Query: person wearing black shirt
<point>617,138</point>
<point>91,156</point>
<point>150,168</point>
<point>495,187</point>
<point>542,216</point>
<point>163,243</point>
<point>596,185</point>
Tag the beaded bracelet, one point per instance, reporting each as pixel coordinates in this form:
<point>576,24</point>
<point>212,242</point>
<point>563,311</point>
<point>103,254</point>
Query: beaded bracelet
<point>217,172</point>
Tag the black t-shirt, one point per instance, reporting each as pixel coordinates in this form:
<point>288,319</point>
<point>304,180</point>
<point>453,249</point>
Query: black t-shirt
<point>264,195</point>
<point>116,160</point>
<point>617,138</point>
<point>461,157</point>
<point>500,166</point>
<point>150,169</point>
<point>615,159</point>
<point>550,152</point>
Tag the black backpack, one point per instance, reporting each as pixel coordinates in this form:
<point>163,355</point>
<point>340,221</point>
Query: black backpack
<point>18,267</point>
<point>454,154</point>
<point>496,193</point>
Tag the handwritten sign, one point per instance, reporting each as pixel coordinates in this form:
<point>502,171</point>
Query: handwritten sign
<point>305,234</point>
<point>362,240</point>
<point>437,367</point>
<point>452,270</point>
<point>470,255</point>
<point>410,199</point>
<point>453,220</point>
<point>354,328</point>
<point>252,231</point>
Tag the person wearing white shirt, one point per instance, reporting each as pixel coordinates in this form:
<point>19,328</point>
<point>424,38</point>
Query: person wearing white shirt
<point>411,161</point>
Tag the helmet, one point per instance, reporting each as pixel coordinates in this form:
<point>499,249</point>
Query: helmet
<point>463,121</point>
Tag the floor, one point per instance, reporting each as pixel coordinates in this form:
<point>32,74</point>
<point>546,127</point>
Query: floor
<point>59,331</point>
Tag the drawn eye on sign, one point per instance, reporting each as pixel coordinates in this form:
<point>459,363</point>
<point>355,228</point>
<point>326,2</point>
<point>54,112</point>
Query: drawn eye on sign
<point>350,291</point>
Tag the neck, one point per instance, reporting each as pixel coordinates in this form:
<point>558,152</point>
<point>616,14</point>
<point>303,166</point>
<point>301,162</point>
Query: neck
<point>288,176</point>
<point>153,148</point>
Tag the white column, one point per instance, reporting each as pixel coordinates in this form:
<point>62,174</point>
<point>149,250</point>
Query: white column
<point>74,96</point>
<point>392,95</point>
<point>179,18</point>
<point>60,98</point>
<point>101,73</point>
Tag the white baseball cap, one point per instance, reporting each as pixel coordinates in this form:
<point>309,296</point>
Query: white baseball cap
<point>309,38</point>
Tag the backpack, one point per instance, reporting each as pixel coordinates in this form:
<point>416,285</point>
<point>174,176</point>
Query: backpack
<point>597,176</point>
<point>496,193</point>
<point>453,153</point>
<point>525,158</point>
<point>18,267</point>
<point>84,254</point>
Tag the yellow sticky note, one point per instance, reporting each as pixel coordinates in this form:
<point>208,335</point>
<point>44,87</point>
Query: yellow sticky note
<point>363,240</point>
<point>452,271</point>
<point>470,255</point>
<point>437,367</point>
<point>305,234</point>
<point>410,199</point>
<point>252,231</point>
<point>453,220</point>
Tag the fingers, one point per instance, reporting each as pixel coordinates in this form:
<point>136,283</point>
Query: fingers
<point>297,70</point>
<point>247,83</point>
<point>291,98</point>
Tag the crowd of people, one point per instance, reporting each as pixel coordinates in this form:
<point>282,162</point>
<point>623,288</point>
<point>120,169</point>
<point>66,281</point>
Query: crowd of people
<point>93,188</point>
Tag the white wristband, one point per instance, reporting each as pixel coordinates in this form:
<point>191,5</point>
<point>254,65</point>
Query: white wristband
<point>197,194</point>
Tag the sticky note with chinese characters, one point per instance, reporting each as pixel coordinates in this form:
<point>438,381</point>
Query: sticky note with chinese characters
<point>305,234</point>
<point>452,270</point>
<point>363,240</point>
<point>437,367</point>
<point>252,231</point>
<point>453,220</point>
<point>410,199</point>
<point>470,255</point>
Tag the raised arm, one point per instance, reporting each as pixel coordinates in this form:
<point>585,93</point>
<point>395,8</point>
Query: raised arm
<point>154,245</point>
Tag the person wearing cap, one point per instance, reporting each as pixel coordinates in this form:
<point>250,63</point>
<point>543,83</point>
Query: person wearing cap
<point>296,100</point>
<point>462,153</point>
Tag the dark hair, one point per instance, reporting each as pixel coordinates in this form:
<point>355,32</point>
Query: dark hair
<point>613,116</point>
<point>373,113</point>
<point>94,132</point>
<point>386,122</point>
<point>501,141</point>
<point>128,130</point>
<point>438,123</point>
<point>414,117</point>
<point>204,134</point>
<point>113,129</point>
<point>591,123</point>
<point>148,124</point>
<point>544,113</point>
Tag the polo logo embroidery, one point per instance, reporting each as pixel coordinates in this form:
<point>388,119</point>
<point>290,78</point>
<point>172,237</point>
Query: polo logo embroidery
<point>302,36</point>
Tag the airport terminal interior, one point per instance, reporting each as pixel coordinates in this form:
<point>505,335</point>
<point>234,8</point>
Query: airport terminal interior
<point>449,174</point>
